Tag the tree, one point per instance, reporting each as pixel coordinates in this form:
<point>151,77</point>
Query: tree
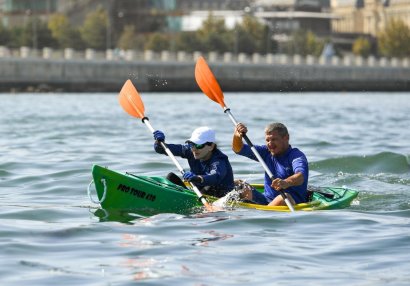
<point>305,43</point>
<point>251,36</point>
<point>36,34</point>
<point>314,46</point>
<point>189,42</point>
<point>4,35</point>
<point>129,40</point>
<point>94,29</point>
<point>394,41</point>
<point>64,33</point>
<point>157,42</point>
<point>214,35</point>
<point>15,37</point>
<point>361,47</point>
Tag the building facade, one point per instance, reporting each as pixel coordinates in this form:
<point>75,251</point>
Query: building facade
<point>367,17</point>
<point>16,12</point>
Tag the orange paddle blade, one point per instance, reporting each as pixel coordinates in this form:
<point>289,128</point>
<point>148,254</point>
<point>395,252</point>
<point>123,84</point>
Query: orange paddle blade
<point>207,82</point>
<point>131,101</point>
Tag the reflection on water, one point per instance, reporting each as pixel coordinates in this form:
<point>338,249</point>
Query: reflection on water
<point>214,236</point>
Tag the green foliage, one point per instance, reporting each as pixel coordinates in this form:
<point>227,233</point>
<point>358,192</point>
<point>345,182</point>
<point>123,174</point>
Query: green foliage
<point>361,47</point>
<point>188,42</point>
<point>4,35</point>
<point>214,35</point>
<point>59,27</point>
<point>36,34</point>
<point>314,46</point>
<point>248,37</point>
<point>158,42</point>
<point>76,40</point>
<point>14,37</point>
<point>94,30</point>
<point>251,36</point>
<point>305,43</point>
<point>129,40</point>
<point>394,41</point>
<point>62,31</point>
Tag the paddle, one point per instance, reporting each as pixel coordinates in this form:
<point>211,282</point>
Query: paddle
<point>131,102</point>
<point>209,85</point>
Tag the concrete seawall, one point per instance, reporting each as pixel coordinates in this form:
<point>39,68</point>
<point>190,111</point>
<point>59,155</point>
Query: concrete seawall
<point>87,75</point>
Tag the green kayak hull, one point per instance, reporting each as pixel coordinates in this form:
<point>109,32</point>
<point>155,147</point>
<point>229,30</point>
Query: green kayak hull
<point>152,195</point>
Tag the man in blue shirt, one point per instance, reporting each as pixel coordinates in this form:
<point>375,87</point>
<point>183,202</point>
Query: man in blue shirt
<point>210,171</point>
<point>288,165</point>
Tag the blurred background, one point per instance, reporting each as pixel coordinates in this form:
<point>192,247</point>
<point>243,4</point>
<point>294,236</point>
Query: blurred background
<point>362,27</point>
<point>338,32</point>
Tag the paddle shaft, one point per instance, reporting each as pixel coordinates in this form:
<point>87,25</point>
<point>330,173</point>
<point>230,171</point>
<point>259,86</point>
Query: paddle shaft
<point>145,120</point>
<point>258,156</point>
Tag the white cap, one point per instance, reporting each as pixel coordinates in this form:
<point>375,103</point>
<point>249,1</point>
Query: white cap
<point>202,135</point>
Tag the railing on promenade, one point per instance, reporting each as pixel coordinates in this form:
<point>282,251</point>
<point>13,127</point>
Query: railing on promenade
<point>166,56</point>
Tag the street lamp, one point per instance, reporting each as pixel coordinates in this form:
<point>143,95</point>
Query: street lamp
<point>269,37</point>
<point>108,31</point>
<point>29,13</point>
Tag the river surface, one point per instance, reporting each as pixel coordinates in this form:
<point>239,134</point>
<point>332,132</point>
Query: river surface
<point>50,233</point>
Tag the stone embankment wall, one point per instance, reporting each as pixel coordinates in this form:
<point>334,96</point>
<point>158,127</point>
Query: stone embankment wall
<point>87,71</point>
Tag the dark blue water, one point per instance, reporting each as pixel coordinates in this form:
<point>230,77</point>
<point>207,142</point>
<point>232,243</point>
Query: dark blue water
<point>51,234</point>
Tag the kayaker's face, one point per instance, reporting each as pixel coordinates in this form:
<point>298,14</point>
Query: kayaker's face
<point>202,154</point>
<point>276,143</point>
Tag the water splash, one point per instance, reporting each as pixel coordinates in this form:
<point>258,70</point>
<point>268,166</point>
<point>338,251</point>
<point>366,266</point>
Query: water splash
<point>229,201</point>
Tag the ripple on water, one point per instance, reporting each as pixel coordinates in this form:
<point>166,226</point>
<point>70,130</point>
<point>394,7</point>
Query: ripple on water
<point>51,234</point>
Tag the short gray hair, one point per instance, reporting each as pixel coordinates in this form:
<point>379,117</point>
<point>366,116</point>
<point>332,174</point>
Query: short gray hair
<point>278,127</point>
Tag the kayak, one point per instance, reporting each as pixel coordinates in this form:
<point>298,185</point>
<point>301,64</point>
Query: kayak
<point>154,194</point>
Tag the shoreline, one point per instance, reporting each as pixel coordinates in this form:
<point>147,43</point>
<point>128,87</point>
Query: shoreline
<point>102,75</point>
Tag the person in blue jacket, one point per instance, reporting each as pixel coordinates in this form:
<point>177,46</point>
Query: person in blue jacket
<point>210,169</point>
<point>288,165</point>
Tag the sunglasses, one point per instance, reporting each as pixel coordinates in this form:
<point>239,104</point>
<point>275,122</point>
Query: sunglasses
<point>198,146</point>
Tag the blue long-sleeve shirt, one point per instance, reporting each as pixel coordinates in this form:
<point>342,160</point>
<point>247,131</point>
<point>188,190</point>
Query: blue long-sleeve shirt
<point>216,171</point>
<point>288,164</point>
